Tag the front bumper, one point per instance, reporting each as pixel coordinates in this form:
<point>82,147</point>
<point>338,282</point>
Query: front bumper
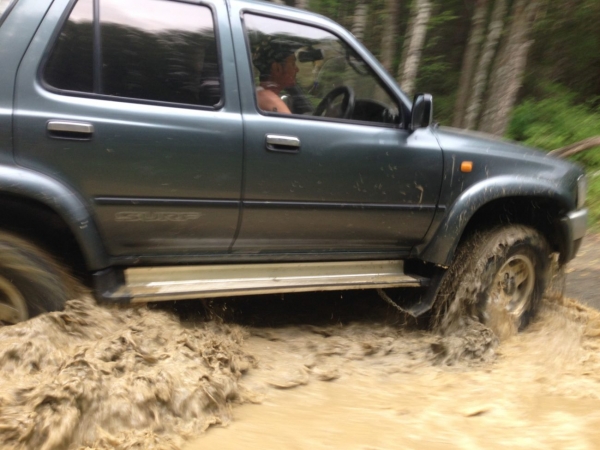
<point>574,225</point>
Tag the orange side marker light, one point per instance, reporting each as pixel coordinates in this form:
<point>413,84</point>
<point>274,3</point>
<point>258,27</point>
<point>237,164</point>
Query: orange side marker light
<point>466,166</point>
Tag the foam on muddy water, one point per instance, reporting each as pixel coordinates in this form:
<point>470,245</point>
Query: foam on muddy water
<point>394,388</point>
<point>115,378</point>
<point>93,377</point>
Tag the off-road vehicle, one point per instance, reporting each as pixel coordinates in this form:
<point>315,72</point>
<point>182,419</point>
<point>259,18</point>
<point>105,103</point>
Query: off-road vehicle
<point>134,155</point>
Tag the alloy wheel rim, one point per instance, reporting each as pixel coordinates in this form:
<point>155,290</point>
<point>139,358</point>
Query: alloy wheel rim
<point>513,286</point>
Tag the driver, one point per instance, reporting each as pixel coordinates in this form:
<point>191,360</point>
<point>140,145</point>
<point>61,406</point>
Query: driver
<point>275,59</point>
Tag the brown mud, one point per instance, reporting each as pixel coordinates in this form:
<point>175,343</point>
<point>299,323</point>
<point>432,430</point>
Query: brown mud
<point>382,389</point>
<point>115,378</point>
<point>328,370</point>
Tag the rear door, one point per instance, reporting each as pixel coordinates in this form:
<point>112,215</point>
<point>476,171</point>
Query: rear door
<point>356,184</point>
<point>15,35</point>
<point>128,106</point>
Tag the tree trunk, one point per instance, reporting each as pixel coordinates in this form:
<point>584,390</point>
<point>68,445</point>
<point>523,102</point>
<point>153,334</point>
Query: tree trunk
<point>360,20</point>
<point>509,68</point>
<point>302,4</point>
<point>413,45</point>
<point>469,60</point>
<point>577,147</point>
<point>487,55</point>
<point>278,2</point>
<point>388,41</point>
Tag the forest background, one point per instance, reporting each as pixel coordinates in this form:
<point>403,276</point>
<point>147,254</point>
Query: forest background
<point>528,70</point>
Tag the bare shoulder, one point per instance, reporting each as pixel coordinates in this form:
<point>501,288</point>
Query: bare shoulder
<point>270,101</point>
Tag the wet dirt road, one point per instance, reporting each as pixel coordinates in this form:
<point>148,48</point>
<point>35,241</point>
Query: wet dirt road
<point>583,273</point>
<point>540,391</point>
<point>330,370</point>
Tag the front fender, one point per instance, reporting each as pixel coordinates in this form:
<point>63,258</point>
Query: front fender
<point>26,183</point>
<point>440,249</point>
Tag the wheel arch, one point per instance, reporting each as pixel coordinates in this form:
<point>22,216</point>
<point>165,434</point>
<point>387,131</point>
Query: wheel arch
<point>40,208</point>
<point>502,201</point>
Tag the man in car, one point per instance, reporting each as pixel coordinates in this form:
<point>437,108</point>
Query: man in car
<point>275,59</point>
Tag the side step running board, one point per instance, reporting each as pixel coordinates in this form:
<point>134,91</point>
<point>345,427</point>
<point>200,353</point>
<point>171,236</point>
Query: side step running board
<point>144,284</point>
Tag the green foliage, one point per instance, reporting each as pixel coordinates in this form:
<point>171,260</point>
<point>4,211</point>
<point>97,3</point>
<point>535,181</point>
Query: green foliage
<point>339,10</point>
<point>567,38</point>
<point>434,72</point>
<point>441,18</point>
<point>555,122</point>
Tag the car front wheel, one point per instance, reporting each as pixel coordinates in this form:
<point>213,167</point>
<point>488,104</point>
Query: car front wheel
<point>498,278</point>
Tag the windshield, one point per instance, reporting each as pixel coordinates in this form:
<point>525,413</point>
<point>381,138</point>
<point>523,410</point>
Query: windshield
<point>328,64</point>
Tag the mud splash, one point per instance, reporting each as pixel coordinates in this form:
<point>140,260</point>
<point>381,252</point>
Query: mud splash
<point>392,390</point>
<point>115,378</point>
<point>316,372</point>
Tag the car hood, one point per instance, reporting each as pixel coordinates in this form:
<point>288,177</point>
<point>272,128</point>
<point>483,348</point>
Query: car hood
<point>494,147</point>
<point>478,141</point>
<point>501,163</point>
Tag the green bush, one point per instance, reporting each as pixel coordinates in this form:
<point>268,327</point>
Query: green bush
<point>555,122</point>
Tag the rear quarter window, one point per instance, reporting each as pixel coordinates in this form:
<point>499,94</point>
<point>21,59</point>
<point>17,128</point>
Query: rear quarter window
<point>148,50</point>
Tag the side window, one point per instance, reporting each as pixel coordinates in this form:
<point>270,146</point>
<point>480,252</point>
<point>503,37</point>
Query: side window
<point>306,70</point>
<point>154,50</point>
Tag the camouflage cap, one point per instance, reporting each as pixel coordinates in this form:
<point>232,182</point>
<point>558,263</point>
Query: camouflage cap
<point>270,50</point>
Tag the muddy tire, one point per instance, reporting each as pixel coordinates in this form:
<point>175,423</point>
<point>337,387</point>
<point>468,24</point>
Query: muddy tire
<point>498,278</point>
<point>30,281</point>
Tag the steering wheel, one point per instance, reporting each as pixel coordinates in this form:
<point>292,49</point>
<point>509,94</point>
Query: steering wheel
<point>347,106</point>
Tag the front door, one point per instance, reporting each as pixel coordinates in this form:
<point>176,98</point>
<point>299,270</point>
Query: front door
<point>339,172</point>
<point>129,109</point>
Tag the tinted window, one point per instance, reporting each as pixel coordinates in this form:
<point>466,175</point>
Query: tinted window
<point>70,66</point>
<point>159,50</point>
<point>150,50</point>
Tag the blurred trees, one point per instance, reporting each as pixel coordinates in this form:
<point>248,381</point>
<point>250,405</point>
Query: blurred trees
<point>359,21</point>
<point>469,118</point>
<point>509,68</point>
<point>480,58</point>
<point>389,34</point>
<point>473,49</point>
<point>413,44</point>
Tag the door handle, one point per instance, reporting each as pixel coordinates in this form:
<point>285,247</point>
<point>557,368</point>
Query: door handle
<point>64,129</point>
<point>284,144</point>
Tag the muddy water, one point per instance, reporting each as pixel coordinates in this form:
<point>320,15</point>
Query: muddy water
<point>381,390</point>
<point>115,378</point>
<point>319,372</point>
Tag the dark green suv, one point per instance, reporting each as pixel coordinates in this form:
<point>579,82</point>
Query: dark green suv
<point>182,149</point>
